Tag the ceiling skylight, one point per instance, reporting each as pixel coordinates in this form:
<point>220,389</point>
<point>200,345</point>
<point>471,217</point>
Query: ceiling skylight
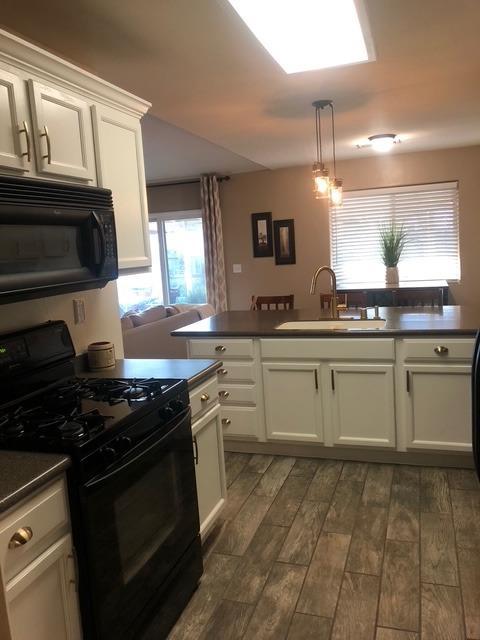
<point>303,35</point>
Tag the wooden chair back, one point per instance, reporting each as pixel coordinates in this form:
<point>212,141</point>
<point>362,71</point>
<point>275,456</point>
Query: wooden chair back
<point>430,296</point>
<point>326,300</point>
<point>270,303</point>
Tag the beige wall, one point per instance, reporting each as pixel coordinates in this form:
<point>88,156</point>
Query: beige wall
<point>102,316</point>
<point>179,197</point>
<point>287,193</point>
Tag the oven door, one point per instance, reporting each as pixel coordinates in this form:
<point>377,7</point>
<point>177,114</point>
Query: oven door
<point>43,249</point>
<point>139,519</point>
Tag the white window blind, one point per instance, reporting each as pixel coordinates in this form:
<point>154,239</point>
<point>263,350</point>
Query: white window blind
<point>429,214</point>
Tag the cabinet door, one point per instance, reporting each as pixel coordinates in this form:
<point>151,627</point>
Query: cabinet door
<point>209,468</point>
<point>63,133</point>
<point>438,407</point>
<point>119,148</point>
<point>15,134</point>
<point>42,600</point>
<point>362,404</point>
<point>293,404</point>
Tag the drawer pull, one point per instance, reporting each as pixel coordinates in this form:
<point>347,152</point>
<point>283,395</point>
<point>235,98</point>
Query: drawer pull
<point>204,397</point>
<point>224,394</point>
<point>20,537</point>
<point>220,348</point>
<point>222,372</point>
<point>226,421</point>
<point>441,350</point>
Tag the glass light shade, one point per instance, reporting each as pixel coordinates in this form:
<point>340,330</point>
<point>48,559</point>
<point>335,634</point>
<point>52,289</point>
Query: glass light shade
<point>336,192</point>
<point>383,142</point>
<point>321,180</point>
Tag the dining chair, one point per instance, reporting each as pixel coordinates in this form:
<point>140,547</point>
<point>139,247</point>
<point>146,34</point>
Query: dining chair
<point>269,303</point>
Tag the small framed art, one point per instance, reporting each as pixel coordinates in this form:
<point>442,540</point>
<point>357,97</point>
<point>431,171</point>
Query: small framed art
<point>262,235</point>
<point>284,240</point>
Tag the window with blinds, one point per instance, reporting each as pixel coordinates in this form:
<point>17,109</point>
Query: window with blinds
<point>429,214</point>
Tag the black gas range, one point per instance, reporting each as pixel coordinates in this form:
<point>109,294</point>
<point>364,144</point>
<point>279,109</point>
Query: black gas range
<point>131,486</point>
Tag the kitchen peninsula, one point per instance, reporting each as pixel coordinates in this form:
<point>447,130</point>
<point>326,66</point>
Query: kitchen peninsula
<point>400,393</point>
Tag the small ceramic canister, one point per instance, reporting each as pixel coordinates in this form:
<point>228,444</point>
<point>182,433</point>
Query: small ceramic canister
<point>101,355</point>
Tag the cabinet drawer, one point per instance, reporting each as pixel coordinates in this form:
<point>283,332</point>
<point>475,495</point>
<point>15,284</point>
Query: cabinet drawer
<point>240,422</point>
<point>221,348</point>
<point>46,515</point>
<point>232,371</point>
<point>203,397</point>
<point>439,349</point>
<point>237,394</point>
<point>329,349</point>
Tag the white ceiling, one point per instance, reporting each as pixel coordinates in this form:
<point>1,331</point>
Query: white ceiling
<point>204,72</point>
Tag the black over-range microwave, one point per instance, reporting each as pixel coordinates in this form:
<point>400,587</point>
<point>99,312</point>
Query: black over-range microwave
<point>54,238</point>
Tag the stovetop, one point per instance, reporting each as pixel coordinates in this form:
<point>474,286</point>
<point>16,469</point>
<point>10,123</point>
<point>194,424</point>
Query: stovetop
<point>76,412</point>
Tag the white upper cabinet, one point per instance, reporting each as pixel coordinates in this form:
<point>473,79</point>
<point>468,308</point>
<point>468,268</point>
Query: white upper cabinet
<point>15,135</point>
<point>63,133</point>
<point>120,168</point>
<point>362,404</point>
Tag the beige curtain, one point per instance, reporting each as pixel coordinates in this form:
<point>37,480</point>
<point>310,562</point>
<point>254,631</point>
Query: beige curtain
<point>213,239</point>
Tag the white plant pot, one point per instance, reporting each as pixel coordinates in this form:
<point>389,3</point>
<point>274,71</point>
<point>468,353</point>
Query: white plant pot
<point>391,275</point>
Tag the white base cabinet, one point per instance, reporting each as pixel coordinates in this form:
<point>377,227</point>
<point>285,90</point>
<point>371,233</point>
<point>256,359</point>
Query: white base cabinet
<point>362,404</point>
<point>438,406</point>
<point>392,393</point>
<point>42,599</point>
<point>207,434</point>
<point>293,401</point>
<point>38,585</point>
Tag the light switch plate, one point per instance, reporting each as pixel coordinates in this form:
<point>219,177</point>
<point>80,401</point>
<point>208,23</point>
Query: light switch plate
<point>237,268</point>
<point>79,310</point>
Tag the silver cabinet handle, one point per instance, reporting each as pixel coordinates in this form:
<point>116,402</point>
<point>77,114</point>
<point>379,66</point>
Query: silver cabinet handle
<point>222,372</point>
<point>27,140</point>
<point>220,348</point>
<point>46,135</point>
<point>440,350</point>
<point>224,394</point>
<point>226,421</point>
<point>195,449</point>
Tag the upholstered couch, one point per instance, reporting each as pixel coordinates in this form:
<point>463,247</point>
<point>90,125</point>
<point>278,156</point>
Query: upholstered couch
<point>147,334</point>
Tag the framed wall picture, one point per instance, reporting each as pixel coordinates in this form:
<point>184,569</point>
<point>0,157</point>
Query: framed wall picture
<point>284,239</point>
<point>262,235</point>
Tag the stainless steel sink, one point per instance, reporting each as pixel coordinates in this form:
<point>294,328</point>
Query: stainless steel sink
<point>332,325</point>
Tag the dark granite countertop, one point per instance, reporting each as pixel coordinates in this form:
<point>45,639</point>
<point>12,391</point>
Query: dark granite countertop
<point>21,472</point>
<point>194,371</point>
<point>401,321</point>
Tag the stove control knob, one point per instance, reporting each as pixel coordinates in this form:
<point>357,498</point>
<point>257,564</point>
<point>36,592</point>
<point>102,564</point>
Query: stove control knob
<point>167,412</point>
<point>109,454</point>
<point>124,444</point>
<point>178,405</point>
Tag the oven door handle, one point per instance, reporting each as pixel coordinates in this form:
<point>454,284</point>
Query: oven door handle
<point>101,234</point>
<point>98,482</point>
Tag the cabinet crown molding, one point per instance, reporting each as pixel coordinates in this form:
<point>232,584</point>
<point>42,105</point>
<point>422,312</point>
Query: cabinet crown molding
<point>19,53</point>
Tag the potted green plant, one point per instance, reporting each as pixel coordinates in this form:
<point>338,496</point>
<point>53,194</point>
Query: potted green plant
<point>393,238</point>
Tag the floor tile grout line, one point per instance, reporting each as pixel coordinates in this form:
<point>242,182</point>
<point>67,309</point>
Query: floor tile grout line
<point>383,561</point>
<point>464,617</point>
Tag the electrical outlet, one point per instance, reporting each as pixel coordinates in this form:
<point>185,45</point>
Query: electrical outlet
<point>79,310</point>
<point>237,268</point>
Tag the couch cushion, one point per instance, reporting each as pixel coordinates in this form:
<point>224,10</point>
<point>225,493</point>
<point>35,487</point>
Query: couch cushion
<point>126,322</point>
<point>171,311</point>
<point>150,315</point>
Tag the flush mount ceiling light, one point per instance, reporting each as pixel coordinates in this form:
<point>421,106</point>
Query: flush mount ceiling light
<point>381,142</point>
<point>325,185</point>
<point>303,35</point>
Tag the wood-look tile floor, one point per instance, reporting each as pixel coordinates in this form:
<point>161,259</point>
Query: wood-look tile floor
<point>314,549</point>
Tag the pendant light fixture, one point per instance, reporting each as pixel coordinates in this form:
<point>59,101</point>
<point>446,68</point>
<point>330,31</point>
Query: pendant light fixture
<point>324,185</point>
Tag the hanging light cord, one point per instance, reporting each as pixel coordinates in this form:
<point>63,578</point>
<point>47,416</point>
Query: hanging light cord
<point>333,142</point>
<point>318,132</point>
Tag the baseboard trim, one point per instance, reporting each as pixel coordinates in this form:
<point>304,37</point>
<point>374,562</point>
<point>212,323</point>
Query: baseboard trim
<point>431,459</point>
